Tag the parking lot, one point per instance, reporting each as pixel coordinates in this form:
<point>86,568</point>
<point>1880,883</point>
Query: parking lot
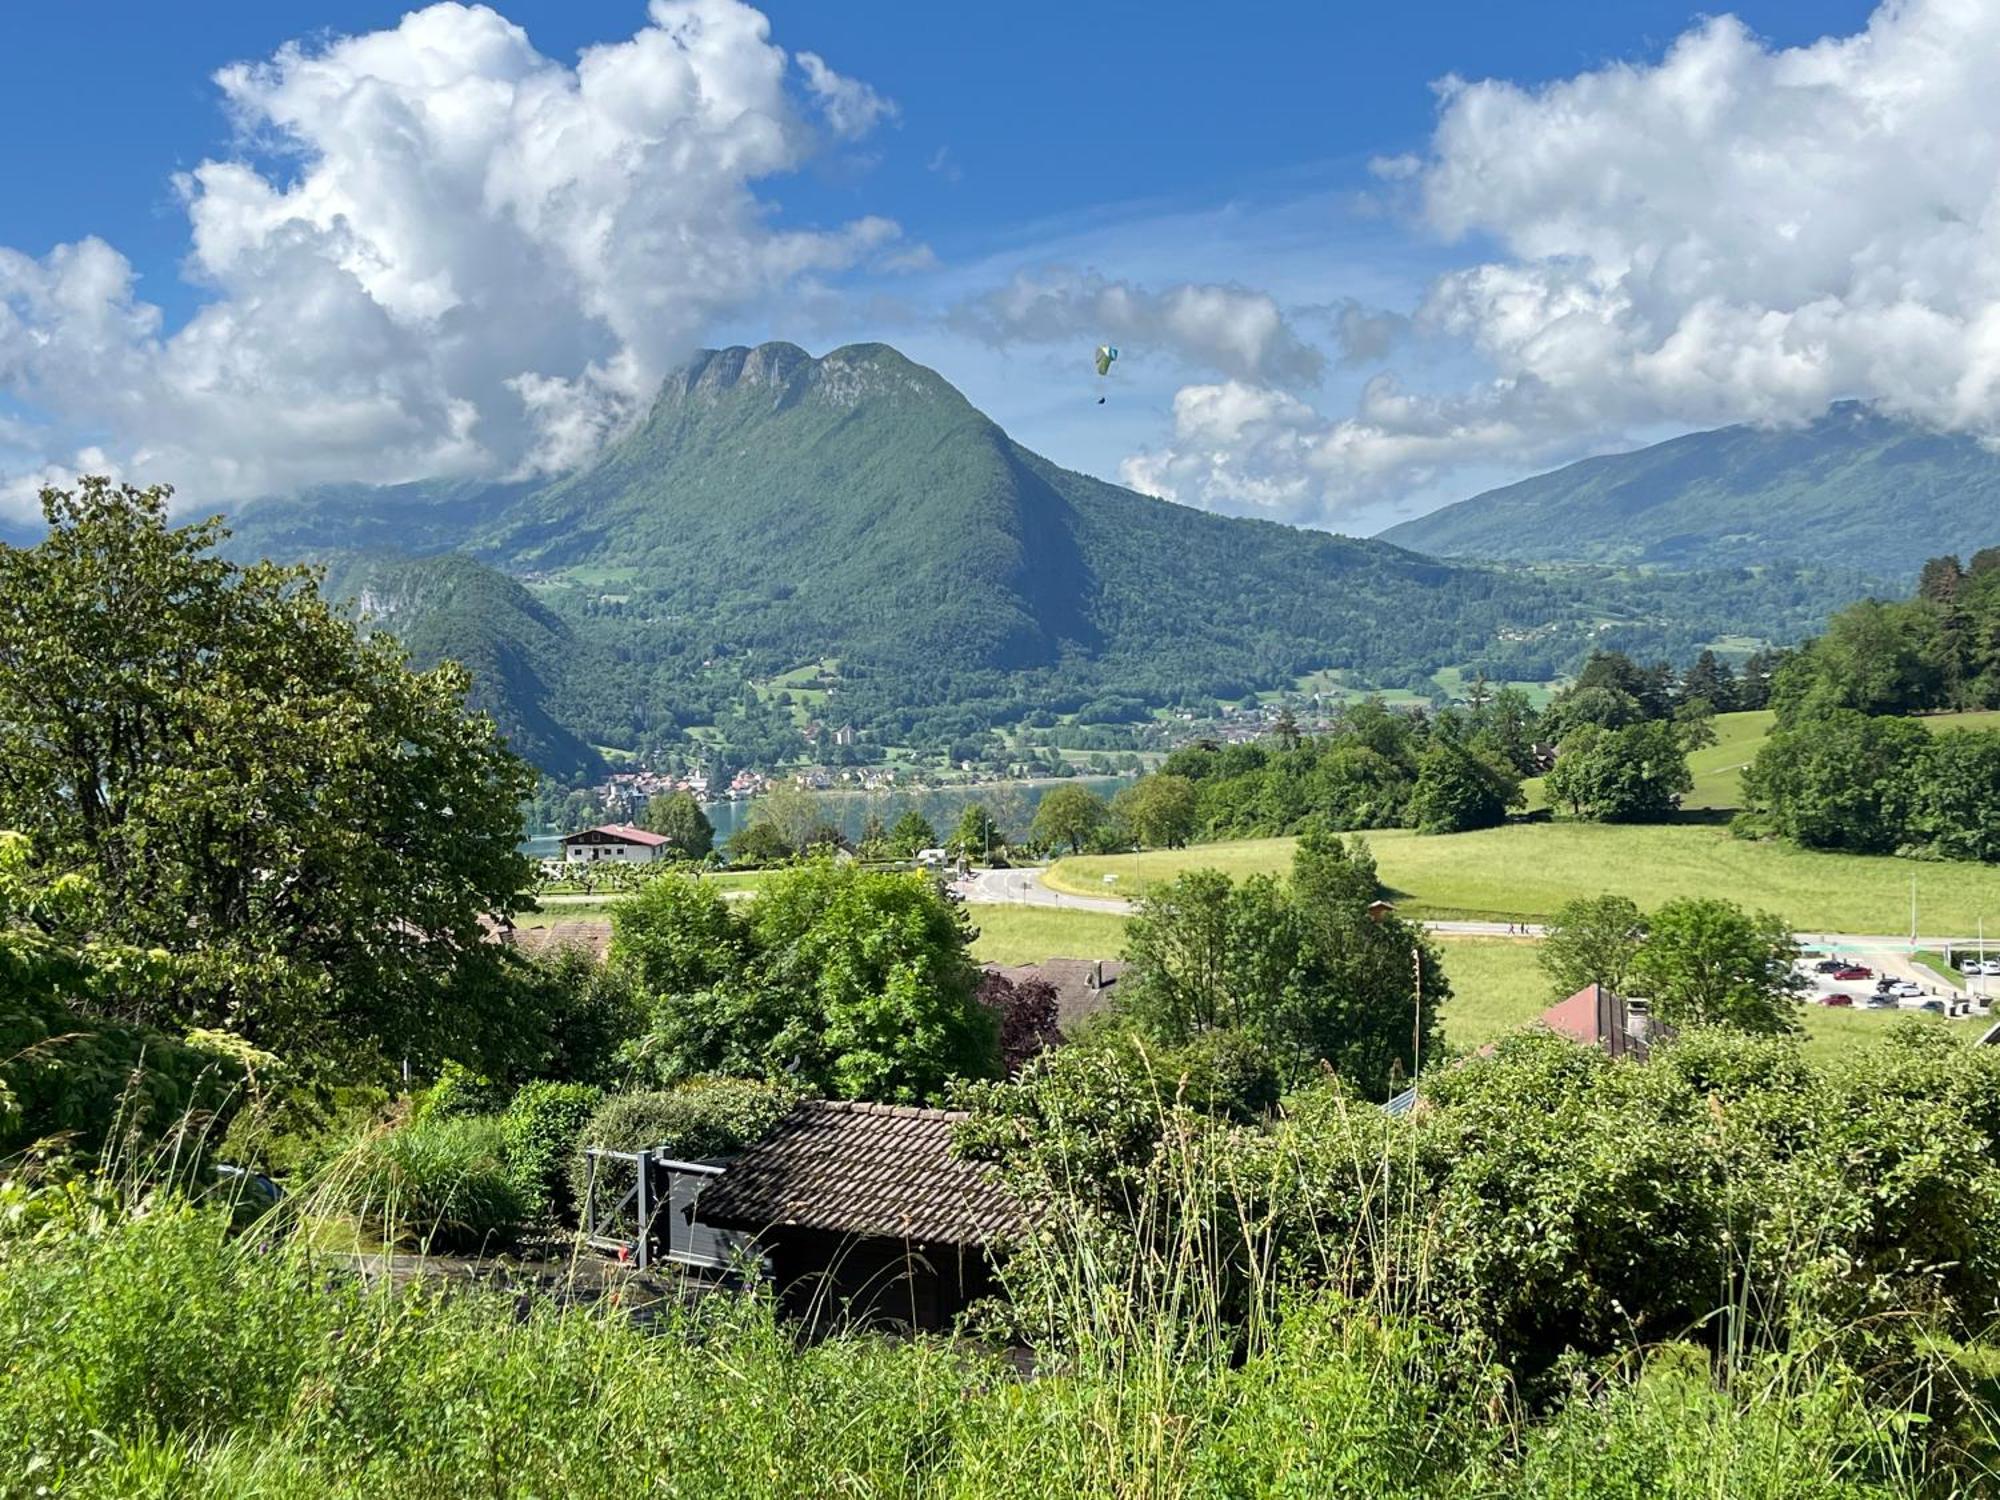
<point>1910,986</point>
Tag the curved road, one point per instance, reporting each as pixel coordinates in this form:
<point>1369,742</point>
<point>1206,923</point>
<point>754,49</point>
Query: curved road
<point>1025,887</point>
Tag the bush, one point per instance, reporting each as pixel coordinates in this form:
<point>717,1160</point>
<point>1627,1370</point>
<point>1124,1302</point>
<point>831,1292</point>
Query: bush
<point>540,1130</point>
<point>702,1118</point>
<point>441,1183</point>
<point>459,1092</point>
<point>99,1086</point>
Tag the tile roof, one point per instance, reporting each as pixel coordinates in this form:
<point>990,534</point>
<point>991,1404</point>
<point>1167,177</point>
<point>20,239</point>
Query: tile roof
<point>593,936</point>
<point>624,832</point>
<point>1077,997</point>
<point>870,1169</point>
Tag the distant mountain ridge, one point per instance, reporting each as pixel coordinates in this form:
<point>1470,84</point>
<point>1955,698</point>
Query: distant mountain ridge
<point>1853,488</point>
<point>774,509</point>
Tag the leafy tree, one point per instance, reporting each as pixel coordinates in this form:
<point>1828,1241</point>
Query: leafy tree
<point>1302,969</point>
<point>1632,775</point>
<point>758,845</point>
<point>69,1075</point>
<point>1708,962</point>
<point>1069,815</point>
<point>316,832</point>
<point>1160,809</point>
<point>1508,725</point>
<point>1592,940</point>
<point>793,814</point>
<point>1457,791</point>
<point>1876,658</point>
<point>679,818</point>
<point>1843,780</point>
<point>976,833</point>
<point>677,935</point>
<point>913,831</point>
<point>855,984</point>
<point>1024,1018</point>
<point>1955,809</point>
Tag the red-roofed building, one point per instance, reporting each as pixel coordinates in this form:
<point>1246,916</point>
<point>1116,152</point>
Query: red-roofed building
<point>1598,1018</point>
<point>616,841</point>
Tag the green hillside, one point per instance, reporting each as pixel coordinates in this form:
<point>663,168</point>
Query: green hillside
<point>1853,489</point>
<point>774,509</point>
<point>520,654</point>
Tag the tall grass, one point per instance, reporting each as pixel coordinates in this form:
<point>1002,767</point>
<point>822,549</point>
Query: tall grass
<point>155,1346</point>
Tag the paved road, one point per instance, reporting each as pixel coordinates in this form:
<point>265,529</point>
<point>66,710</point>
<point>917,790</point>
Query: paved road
<point>1025,887</point>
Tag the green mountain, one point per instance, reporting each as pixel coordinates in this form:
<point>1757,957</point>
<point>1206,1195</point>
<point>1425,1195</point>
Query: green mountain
<point>519,652</point>
<point>856,515</point>
<point>1854,488</point>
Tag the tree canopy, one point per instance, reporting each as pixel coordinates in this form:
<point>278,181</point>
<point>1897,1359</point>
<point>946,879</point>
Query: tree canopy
<point>855,984</point>
<point>314,831</point>
<point>1302,968</point>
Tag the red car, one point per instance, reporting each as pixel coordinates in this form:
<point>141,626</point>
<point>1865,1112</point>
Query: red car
<point>1855,971</point>
<point>1838,999</point>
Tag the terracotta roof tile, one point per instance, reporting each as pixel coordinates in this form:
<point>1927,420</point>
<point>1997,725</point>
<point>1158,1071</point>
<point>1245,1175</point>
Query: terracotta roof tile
<point>870,1169</point>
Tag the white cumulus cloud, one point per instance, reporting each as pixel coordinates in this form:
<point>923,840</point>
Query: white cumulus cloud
<point>1733,232</point>
<point>1228,329</point>
<point>439,251</point>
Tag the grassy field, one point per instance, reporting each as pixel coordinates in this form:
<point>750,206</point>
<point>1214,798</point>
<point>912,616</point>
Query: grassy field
<point>1029,934</point>
<point>1526,870</point>
<point>1498,987</point>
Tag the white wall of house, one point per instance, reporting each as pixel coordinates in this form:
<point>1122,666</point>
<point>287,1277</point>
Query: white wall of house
<point>633,853</point>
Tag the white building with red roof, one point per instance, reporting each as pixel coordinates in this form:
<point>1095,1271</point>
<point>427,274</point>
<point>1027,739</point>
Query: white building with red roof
<point>615,841</point>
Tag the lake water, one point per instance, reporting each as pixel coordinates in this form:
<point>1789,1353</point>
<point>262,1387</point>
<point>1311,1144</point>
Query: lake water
<point>1012,804</point>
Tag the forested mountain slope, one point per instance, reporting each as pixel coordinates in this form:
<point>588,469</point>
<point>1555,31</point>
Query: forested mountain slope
<point>1853,489</point>
<point>773,509</point>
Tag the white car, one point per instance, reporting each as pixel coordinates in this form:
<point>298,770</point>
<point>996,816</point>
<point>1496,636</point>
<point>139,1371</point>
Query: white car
<point>1987,966</point>
<point>1906,989</point>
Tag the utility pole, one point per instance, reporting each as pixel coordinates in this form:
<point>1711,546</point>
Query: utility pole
<point>1417,1018</point>
<point>1913,911</point>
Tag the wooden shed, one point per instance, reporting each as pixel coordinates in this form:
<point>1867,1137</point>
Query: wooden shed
<point>863,1214</point>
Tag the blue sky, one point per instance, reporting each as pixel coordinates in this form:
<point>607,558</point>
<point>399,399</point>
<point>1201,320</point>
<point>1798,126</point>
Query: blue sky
<point>1346,292</point>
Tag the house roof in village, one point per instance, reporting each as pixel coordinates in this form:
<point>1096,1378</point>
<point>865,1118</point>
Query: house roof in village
<point>592,936</point>
<point>1078,997</point>
<point>624,833</point>
<point>883,1170</point>
<point>1597,1017</point>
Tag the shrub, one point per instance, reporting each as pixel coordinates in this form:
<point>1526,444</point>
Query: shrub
<point>459,1091</point>
<point>540,1130</point>
<point>98,1085</point>
<point>441,1183</point>
<point>701,1118</point>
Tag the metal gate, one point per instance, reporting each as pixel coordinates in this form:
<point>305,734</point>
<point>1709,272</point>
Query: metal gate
<point>651,1216</point>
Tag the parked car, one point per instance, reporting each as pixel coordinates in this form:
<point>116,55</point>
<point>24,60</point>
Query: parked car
<point>1853,971</point>
<point>1906,989</point>
<point>1836,998</point>
<point>1935,1007</point>
<point>1881,1002</point>
<point>1829,966</point>
<point>1980,966</point>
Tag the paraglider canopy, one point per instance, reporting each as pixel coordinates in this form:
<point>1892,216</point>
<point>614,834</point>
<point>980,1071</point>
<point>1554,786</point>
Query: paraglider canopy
<point>1106,355</point>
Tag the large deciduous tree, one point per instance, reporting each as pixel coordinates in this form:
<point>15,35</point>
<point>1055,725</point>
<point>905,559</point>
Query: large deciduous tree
<point>1711,963</point>
<point>1068,816</point>
<point>1636,774</point>
<point>1302,968</point>
<point>678,818</point>
<point>1159,809</point>
<point>315,831</point>
<point>852,983</point>
<point>1592,940</point>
